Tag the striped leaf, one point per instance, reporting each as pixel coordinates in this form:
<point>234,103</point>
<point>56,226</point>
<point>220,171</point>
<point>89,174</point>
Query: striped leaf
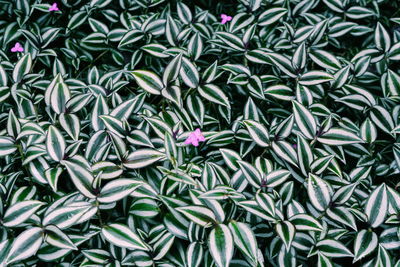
<point>142,158</point>
<point>214,94</point>
<point>220,244</point>
<point>271,16</point>
<point>200,215</point>
<point>382,38</point>
<point>338,137</point>
<point>55,144</point>
<point>382,118</point>
<point>305,222</point>
<point>117,190</point>
<point>315,77</point>
<point>244,239</point>
<point>171,72</point>
<point>304,120</point>
<point>333,248</point>
<point>7,146</point>
<point>258,132</point>
<point>286,232</point>
<point>319,192</point>
<point>81,178</point>
<point>65,216</point>
<point>277,177</point>
<point>368,131</point>
<point>231,158</point>
<point>149,81</point>
<point>22,67</point>
<point>59,97</point>
<point>189,74</point>
<point>20,212</point>
<point>376,206</point>
<point>56,238</point>
<point>25,245</point>
<point>231,40</point>
<point>252,174</point>
<point>364,244</point>
<point>121,236</point>
<point>194,254</point>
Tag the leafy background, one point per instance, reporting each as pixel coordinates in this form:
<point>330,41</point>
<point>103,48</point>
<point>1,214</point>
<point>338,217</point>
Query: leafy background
<point>297,101</point>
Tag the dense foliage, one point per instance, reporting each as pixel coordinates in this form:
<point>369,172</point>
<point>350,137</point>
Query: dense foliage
<point>199,133</point>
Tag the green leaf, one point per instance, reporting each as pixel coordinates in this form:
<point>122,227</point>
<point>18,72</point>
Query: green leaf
<point>333,248</point>
<point>315,77</point>
<point>200,215</point>
<point>304,120</point>
<point>81,178</point>
<point>338,137</point>
<point>22,67</point>
<point>25,245</point>
<point>214,94</point>
<point>121,236</point>
<point>55,144</point>
<point>257,132</point>
<point>364,244</point>
<point>20,212</point>
<point>286,232</point>
<point>319,192</point>
<point>149,81</point>
<point>271,16</point>
<point>244,239</point>
<point>376,206</point>
<point>142,158</point>
<point>220,244</point>
<point>305,222</point>
<point>117,190</point>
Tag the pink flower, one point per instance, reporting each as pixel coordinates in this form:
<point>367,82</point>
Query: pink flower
<point>17,48</point>
<point>54,7</point>
<point>195,137</point>
<point>225,18</point>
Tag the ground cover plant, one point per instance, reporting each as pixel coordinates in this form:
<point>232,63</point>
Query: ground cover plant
<point>199,133</point>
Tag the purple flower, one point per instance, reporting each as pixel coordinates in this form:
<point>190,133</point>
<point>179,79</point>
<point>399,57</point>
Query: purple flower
<point>195,137</point>
<point>17,48</point>
<point>225,18</point>
<point>54,7</point>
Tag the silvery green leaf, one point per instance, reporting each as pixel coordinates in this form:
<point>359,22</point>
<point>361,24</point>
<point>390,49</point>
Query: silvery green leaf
<point>22,67</point>
<point>142,158</point>
<point>121,236</point>
<point>117,189</point>
<point>20,212</point>
<point>377,205</point>
<point>220,243</point>
<point>338,137</point>
<point>149,81</point>
<point>364,244</point>
<point>319,192</point>
<point>25,245</point>
<point>55,144</point>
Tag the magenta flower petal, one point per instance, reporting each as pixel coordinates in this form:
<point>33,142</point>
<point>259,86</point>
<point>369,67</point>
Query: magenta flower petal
<point>54,7</point>
<point>17,48</point>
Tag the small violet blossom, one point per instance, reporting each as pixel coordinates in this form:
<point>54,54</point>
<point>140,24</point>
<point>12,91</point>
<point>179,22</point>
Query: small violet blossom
<point>17,48</point>
<point>225,18</point>
<point>54,7</point>
<point>195,137</point>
